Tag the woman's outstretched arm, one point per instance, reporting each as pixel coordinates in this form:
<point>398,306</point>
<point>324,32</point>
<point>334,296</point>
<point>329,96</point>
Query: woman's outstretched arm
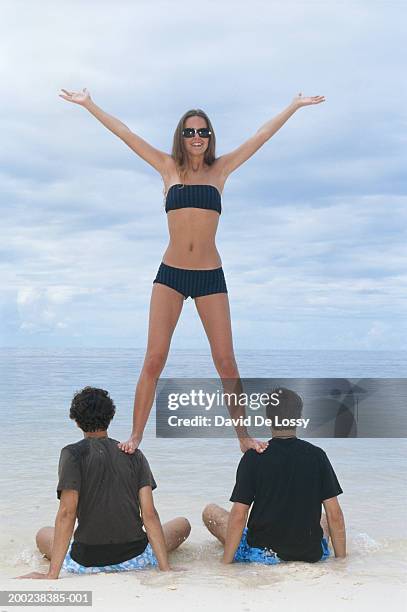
<point>156,158</point>
<point>236,158</point>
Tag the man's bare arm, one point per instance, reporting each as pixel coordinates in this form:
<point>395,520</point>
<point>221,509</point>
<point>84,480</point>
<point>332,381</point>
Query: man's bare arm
<point>153,527</point>
<point>236,524</point>
<point>64,525</point>
<point>336,525</point>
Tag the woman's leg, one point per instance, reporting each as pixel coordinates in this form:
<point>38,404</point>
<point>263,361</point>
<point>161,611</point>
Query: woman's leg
<point>215,316</point>
<point>165,309</point>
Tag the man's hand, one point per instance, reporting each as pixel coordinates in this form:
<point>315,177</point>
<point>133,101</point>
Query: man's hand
<point>38,576</point>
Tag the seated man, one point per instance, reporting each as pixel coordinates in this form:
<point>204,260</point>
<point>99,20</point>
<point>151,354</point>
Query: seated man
<point>105,489</point>
<point>284,487</point>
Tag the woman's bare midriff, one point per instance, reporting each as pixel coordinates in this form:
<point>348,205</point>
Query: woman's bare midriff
<point>192,239</point>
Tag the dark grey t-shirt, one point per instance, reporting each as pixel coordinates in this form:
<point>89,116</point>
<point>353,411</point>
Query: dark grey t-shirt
<point>108,480</point>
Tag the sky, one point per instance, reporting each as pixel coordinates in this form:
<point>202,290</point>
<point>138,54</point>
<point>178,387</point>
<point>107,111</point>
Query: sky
<point>312,232</point>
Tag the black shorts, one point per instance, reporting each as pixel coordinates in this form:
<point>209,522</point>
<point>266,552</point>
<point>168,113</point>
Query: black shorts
<point>192,283</point>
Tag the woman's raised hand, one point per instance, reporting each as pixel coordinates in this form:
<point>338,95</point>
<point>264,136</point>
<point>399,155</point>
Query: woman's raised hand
<point>77,97</point>
<point>301,100</point>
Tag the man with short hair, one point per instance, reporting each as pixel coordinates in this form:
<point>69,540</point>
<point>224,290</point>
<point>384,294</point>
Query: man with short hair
<point>285,488</point>
<point>105,489</point>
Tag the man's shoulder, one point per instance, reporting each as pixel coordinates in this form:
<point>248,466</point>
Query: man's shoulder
<point>139,457</point>
<point>76,449</point>
<point>310,448</point>
<point>250,456</point>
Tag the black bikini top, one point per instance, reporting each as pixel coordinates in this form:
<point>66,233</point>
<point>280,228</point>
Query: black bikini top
<point>193,196</point>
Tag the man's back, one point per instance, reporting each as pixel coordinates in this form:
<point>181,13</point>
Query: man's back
<point>286,484</point>
<point>108,480</point>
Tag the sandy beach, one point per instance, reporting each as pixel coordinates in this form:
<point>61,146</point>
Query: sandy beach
<point>368,579</point>
<point>332,584</point>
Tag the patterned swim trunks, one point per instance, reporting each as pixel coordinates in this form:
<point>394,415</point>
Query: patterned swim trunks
<point>146,559</point>
<point>248,554</point>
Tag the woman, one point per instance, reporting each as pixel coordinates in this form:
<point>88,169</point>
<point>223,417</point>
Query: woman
<point>193,182</point>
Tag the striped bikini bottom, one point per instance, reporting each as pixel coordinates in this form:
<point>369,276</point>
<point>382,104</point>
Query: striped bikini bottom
<point>192,283</point>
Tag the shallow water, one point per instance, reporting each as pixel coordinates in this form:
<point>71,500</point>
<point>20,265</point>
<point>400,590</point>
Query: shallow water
<point>36,388</point>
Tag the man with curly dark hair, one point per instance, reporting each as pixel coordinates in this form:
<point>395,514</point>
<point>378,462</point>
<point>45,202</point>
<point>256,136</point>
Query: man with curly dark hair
<point>110,493</point>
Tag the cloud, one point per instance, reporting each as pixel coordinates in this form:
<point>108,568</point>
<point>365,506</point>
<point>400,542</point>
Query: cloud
<point>46,309</point>
<point>312,231</point>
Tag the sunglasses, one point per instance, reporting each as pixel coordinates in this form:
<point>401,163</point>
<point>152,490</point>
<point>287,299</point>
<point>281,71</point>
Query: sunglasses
<point>191,132</point>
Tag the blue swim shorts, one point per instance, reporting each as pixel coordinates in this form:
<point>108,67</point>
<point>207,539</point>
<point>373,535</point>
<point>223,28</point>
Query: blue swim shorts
<point>146,559</point>
<point>248,554</point>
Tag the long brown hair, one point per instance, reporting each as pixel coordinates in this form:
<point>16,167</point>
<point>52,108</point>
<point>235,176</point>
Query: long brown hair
<point>178,150</point>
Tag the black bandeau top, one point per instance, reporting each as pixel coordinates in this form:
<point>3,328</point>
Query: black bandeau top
<point>193,196</point>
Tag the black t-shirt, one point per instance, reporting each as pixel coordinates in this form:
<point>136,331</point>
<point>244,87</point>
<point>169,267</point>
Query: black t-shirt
<point>286,485</point>
<point>110,528</point>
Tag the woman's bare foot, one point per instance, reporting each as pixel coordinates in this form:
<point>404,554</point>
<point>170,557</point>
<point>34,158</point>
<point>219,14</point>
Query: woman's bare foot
<point>131,445</point>
<point>257,445</point>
